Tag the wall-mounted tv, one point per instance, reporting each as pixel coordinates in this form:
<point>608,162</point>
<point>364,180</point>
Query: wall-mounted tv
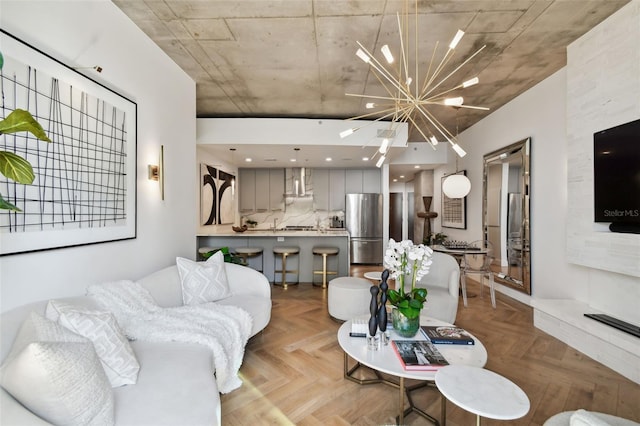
<point>616,176</point>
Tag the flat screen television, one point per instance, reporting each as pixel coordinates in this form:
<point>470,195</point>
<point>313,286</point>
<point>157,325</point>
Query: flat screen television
<point>616,175</point>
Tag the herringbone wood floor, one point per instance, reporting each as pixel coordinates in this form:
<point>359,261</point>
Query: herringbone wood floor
<point>293,370</point>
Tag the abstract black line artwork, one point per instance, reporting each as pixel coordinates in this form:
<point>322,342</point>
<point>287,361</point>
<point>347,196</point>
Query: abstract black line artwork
<point>216,197</point>
<point>209,194</point>
<point>85,186</point>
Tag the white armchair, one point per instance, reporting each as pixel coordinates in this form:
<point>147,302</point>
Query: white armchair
<point>443,284</point>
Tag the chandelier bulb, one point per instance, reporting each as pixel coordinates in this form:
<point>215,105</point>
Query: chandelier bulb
<point>456,39</point>
<point>346,133</point>
<point>387,53</point>
<point>458,149</point>
<point>384,146</point>
<point>470,82</point>
<point>454,101</point>
<point>370,105</point>
<point>360,54</point>
<point>380,161</point>
<point>433,140</point>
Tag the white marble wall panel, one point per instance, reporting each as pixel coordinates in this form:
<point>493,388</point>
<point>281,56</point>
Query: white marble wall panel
<point>603,90</point>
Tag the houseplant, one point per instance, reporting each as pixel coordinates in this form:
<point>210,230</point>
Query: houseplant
<point>12,165</point>
<point>406,261</point>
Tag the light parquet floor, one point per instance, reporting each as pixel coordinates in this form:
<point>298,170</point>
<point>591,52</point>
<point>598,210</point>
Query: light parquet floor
<point>293,370</point>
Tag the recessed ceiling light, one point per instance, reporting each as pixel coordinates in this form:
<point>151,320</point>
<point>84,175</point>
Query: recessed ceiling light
<point>365,158</point>
<point>417,166</point>
<point>293,160</point>
<point>328,159</point>
<point>395,180</point>
<point>401,176</point>
<point>248,160</point>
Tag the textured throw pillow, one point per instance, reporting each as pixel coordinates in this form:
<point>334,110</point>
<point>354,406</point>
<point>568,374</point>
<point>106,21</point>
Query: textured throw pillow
<point>113,348</point>
<point>584,418</point>
<point>60,381</point>
<point>203,282</point>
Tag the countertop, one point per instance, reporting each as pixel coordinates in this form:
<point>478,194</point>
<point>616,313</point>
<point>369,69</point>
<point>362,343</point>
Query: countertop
<point>278,233</point>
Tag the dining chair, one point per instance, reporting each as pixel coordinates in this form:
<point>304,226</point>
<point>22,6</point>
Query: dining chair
<point>477,259</point>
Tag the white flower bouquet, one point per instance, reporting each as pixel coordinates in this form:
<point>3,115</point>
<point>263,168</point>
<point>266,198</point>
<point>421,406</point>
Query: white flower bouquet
<point>405,260</point>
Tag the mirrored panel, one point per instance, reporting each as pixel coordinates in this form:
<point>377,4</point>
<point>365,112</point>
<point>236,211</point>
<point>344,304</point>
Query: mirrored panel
<point>505,222</point>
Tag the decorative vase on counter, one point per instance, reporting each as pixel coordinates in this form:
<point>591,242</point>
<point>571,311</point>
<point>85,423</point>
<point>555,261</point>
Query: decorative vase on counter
<point>402,325</point>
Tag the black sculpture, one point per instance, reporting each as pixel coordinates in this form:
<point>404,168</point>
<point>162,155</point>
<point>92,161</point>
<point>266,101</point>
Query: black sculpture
<point>382,309</point>
<point>373,308</point>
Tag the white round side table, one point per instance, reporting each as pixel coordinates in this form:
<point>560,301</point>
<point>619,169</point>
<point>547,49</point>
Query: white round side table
<point>482,392</point>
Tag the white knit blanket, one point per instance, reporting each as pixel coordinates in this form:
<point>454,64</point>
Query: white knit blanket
<point>223,329</point>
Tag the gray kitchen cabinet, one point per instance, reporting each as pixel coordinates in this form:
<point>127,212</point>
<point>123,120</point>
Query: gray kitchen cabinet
<point>353,181</point>
<point>336,189</point>
<point>371,181</point>
<point>247,190</point>
<point>276,189</point>
<point>262,190</point>
<point>321,189</point>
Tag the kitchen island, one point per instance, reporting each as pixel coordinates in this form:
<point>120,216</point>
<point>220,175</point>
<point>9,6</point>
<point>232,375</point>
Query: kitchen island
<point>267,239</point>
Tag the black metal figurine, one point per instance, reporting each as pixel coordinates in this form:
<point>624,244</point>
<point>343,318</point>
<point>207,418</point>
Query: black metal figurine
<point>382,310</point>
<point>373,308</point>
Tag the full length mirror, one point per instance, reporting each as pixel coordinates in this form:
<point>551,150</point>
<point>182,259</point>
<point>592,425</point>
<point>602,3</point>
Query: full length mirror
<point>506,213</point>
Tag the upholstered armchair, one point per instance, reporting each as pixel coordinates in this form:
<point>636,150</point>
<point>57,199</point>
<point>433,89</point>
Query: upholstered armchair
<point>443,284</point>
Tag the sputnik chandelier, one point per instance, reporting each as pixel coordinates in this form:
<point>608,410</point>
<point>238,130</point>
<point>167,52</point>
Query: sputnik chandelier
<point>407,99</point>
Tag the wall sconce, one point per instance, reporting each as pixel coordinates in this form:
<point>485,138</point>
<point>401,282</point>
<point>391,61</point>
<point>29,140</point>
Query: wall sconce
<point>156,172</point>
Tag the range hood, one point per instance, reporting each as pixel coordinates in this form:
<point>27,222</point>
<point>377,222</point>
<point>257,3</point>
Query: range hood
<point>298,183</point>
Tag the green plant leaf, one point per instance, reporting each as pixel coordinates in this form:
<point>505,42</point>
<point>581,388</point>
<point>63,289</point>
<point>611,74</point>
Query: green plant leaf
<point>22,121</point>
<point>16,168</point>
<point>1,61</point>
<point>5,205</point>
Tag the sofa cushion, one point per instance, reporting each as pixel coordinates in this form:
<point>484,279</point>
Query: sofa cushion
<point>175,387</point>
<point>113,349</point>
<point>203,282</point>
<point>71,385</point>
<point>258,307</point>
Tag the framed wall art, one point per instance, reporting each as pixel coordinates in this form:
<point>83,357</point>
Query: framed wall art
<point>217,191</point>
<point>454,210</point>
<point>84,190</point>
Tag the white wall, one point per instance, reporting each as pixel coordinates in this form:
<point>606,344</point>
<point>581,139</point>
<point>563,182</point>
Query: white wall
<point>603,75</point>
<point>541,113</point>
<point>97,33</point>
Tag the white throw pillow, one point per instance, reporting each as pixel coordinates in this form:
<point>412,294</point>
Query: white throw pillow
<point>584,418</point>
<point>203,282</point>
<point>60,381</point>
<point>113,348</point>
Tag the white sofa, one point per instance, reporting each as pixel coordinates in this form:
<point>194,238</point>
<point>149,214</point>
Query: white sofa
<point>175,385</point>
<point>443,285</point>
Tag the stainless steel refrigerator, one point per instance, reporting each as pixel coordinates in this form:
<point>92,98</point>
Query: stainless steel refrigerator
<point>363,220</point>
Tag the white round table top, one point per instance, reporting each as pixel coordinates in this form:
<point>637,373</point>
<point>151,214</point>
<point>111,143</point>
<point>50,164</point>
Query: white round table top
<point>482,392</point>
<point>373,275</point>
<point>386,361</point>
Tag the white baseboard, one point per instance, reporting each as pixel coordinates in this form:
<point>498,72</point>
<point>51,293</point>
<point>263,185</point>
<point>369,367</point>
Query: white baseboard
<point>565,320</point>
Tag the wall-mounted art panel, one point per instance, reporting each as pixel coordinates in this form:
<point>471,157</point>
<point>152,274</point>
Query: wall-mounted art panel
<point>84,190</point>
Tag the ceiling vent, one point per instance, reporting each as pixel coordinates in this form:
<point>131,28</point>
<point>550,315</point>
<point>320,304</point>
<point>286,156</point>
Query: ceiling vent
<point>387,134</point>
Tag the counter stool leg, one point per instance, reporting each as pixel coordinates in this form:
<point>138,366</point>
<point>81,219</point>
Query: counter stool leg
<point>324,270</point>
<point>284,271</point>
<point>443,410</point>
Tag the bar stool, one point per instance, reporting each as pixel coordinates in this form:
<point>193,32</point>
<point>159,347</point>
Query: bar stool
<point>284,252</point>
<point>325,252</point>
<point>247,253</point>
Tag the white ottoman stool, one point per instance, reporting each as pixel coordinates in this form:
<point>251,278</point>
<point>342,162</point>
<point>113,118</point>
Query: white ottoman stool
<point>349,297</point>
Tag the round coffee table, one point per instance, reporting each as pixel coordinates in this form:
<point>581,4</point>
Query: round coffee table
<point>386,361</point>
<point>482,392</point>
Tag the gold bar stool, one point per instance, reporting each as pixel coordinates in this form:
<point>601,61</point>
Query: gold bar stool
<point>325,252</point>
<point>247,253</point>
<point>284,252</point>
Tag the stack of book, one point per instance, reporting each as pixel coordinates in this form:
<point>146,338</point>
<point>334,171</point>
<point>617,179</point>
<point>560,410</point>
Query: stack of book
<point>422,354</point>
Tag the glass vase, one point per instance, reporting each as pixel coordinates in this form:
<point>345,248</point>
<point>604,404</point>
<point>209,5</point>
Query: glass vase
<point>404,326</point>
